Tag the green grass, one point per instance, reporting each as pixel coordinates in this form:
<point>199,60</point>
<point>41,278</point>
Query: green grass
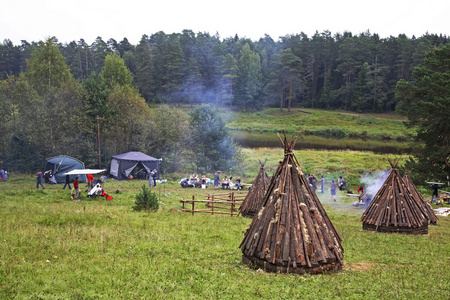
<point>323,123</point>
<point>53,248</point>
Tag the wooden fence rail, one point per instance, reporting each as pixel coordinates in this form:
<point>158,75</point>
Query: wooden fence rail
<point>228,204</point>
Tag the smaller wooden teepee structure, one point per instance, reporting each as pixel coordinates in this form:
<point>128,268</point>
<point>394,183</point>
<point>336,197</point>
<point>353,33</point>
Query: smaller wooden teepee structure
<point>254,197</point>
<point>291,231</point>
<point>393,209</point>
<point>417,195</point>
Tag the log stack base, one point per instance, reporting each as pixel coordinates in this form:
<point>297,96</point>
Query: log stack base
<point>256,263</point>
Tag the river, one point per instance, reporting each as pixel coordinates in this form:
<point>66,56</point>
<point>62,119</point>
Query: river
<point>271,140</point>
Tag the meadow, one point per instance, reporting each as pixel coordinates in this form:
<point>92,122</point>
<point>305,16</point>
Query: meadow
<point>339,124</point>
<point>54,248</point>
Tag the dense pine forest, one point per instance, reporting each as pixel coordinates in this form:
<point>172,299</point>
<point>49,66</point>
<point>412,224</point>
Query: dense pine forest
<point>340,71</point>
<point>53,95</point>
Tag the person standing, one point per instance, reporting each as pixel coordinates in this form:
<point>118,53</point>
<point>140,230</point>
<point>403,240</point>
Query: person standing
<point>90,182</point>
<point>216,179</point>
<point>67,182</point>
<point>39,180</point>
<point>322,182</point>
<point>314,183</point>
<point>47,176</point>
<point>155,176</point>
<point>76,187</point>
<point>150,179</point>
<point>333,188</point>
<point>339,182</point>
<point>435,191</point>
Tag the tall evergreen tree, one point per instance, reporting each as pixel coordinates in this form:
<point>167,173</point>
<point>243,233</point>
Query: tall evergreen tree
<point>426,103</point>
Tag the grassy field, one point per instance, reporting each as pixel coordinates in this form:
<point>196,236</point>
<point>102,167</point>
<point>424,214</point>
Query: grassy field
<point>53,248</point>
<point>323,123</point>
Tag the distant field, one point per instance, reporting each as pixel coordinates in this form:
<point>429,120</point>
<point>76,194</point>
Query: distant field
<point>323,123</point>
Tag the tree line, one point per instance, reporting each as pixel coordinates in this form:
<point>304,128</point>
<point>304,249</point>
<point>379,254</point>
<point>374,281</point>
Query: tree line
<point>340,71</point>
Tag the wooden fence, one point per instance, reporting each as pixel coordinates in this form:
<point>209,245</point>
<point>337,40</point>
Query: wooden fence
<point>227,203</point>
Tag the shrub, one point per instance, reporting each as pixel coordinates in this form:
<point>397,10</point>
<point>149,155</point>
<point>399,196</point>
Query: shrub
<point>146,200</point>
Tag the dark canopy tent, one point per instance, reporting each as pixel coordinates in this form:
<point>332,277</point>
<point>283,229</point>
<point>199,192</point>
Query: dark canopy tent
<point>62,164</point>
<point>123,164</point>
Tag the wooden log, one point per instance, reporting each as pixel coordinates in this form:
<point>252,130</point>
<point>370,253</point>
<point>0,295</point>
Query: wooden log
<point>307,241</point>
<point>313,235</point>
<point>207,211</point>
<point>299,257</point>
<point>319,224</point>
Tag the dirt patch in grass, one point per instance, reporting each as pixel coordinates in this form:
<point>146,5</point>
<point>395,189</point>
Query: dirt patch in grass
<point>362,266</point>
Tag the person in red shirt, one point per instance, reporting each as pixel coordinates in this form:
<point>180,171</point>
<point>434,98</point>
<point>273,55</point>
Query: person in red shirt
<point>90,182</point>
<point>76,187</point>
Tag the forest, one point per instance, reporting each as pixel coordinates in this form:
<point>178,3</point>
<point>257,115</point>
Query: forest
<point>53,95</point>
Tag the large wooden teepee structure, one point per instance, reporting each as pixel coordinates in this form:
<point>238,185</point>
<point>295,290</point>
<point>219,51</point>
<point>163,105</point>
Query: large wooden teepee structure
<point>291,231</point>
<point>254,197</point>
<point>432,219</point>
<point>393,209</point>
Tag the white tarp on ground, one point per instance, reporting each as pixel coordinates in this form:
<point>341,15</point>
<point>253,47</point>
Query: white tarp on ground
<point>442,211</point>
<point>85,171</point>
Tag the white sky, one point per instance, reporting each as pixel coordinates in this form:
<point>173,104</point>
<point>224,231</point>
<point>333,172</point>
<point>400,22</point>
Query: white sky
<point>70,20</point>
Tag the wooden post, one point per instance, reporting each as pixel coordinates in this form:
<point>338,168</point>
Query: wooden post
<point>212,205</point>
<point>232,203</point>
<point>193,198</point>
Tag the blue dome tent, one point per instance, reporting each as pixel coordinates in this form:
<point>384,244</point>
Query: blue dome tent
<point>59,165</point>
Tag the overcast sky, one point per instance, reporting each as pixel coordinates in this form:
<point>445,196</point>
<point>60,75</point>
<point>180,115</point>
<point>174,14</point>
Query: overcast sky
<point>68,20</point>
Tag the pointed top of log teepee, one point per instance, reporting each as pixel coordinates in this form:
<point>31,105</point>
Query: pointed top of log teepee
<point>288,145</point>
<point>255,195</point>
<point>393,162</point>
<point>394,209</point>
<point>291,231</point>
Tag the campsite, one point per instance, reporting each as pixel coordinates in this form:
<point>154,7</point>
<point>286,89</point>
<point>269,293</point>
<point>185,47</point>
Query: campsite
<point>52,247</point>
<point>148,136</point>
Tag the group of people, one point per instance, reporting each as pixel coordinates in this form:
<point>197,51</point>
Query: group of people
<point>226,183</point>
<point>194,181</point>
<point>341,184</point>
<point>312,181</point>
<point>76,185</point>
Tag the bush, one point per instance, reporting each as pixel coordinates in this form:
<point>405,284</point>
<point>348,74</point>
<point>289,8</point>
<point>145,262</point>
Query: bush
<point>146,200</point>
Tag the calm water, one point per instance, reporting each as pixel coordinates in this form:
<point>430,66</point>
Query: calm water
<point>271,140</point>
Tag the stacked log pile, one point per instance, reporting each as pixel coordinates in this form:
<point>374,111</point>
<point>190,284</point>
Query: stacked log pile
<point>393,209</point>
<point>291,232</point>
<point>432,219</point>
<point>255,196</point>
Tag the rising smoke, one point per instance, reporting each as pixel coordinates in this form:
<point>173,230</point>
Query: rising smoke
<point>372,182</point>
